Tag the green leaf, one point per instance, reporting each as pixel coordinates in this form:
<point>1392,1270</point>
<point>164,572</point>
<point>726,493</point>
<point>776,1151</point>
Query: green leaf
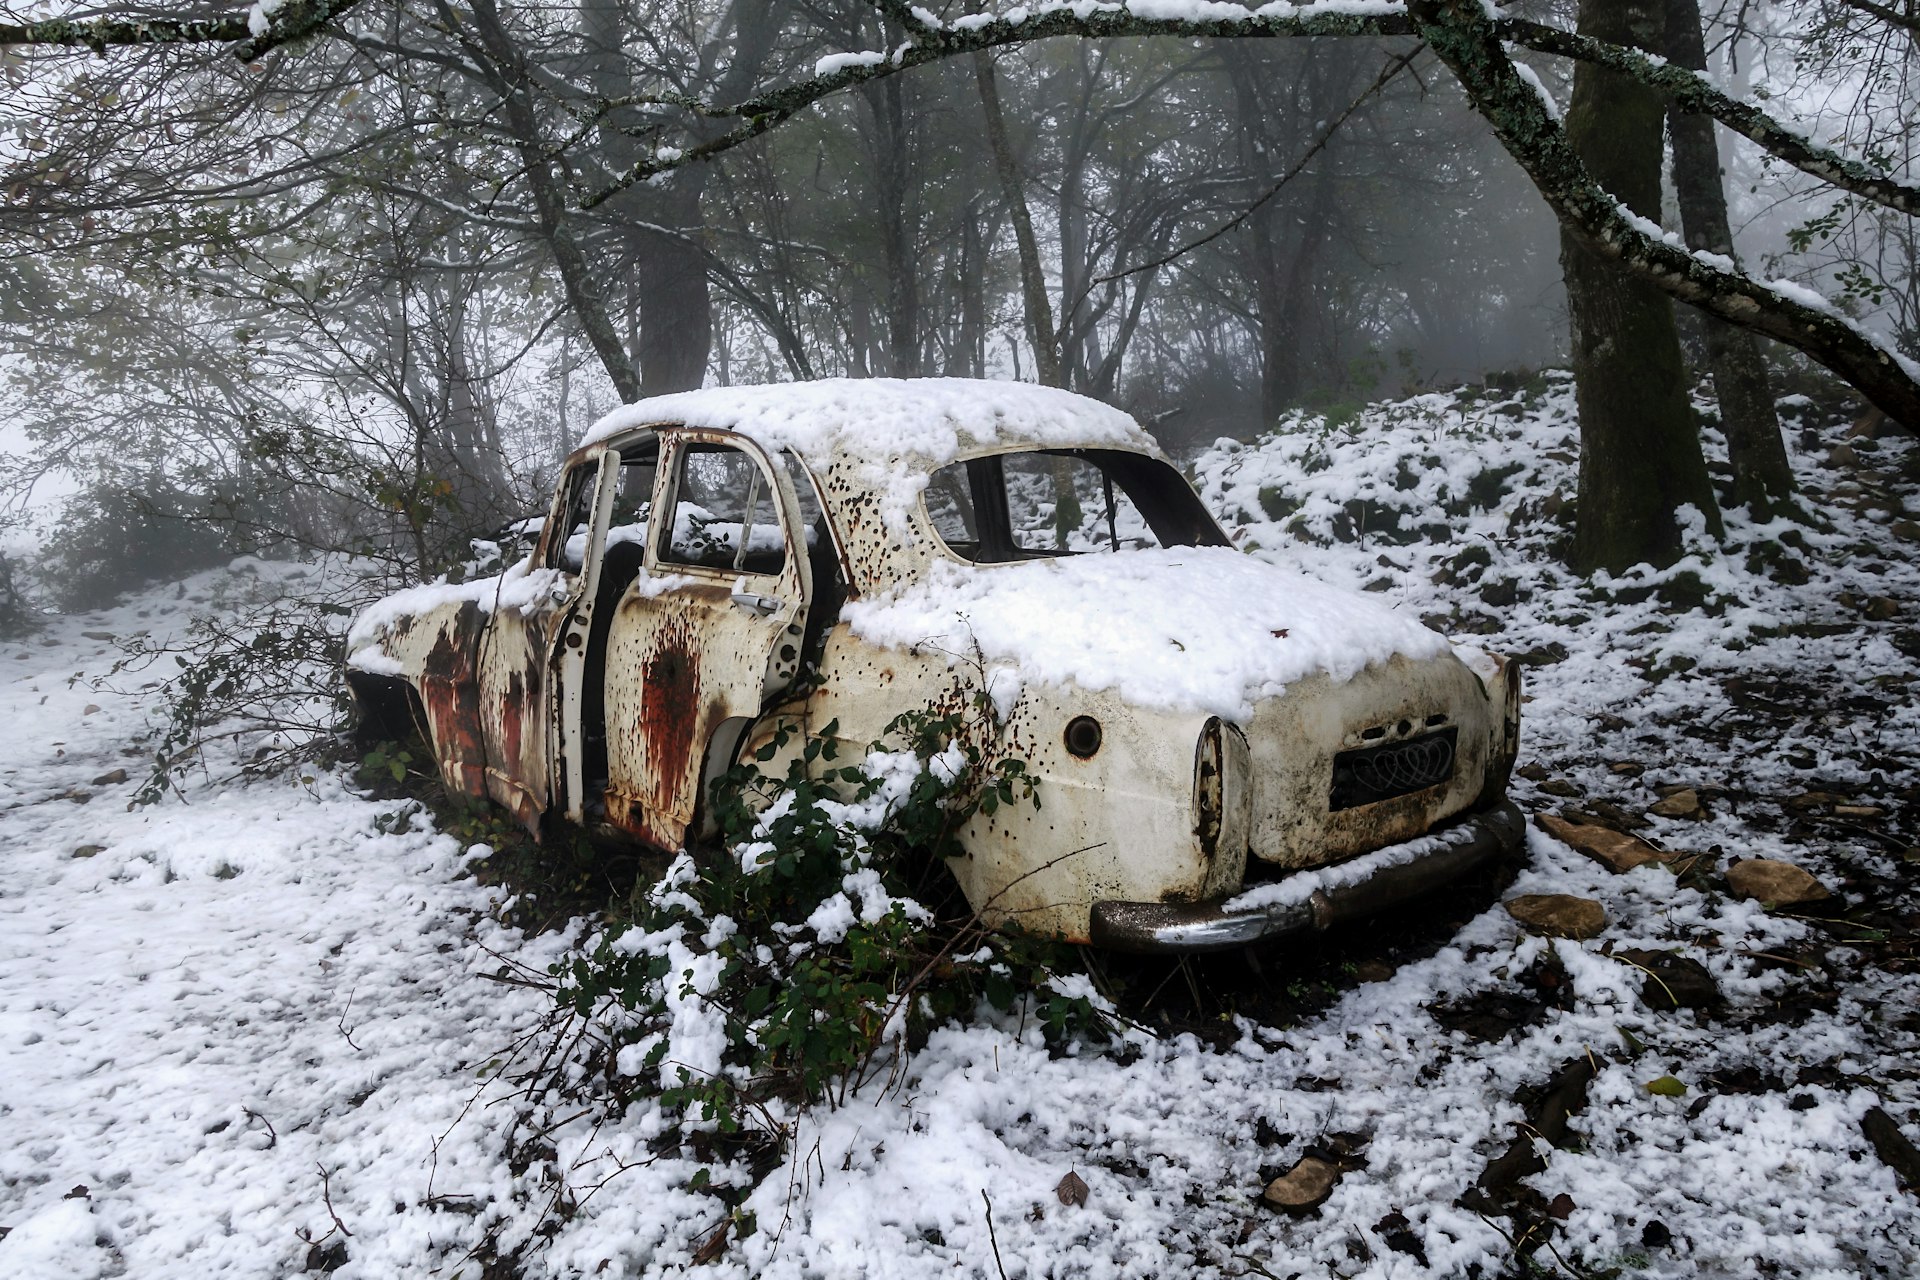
<point>1666,1087</point>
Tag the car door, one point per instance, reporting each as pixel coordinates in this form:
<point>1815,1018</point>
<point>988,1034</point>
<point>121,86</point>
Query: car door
<point>528,661</point>
<point>710,632</point>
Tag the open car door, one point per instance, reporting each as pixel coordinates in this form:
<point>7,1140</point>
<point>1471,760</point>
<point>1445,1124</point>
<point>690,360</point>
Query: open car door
<point>708,634</point>
<point>525,679</point>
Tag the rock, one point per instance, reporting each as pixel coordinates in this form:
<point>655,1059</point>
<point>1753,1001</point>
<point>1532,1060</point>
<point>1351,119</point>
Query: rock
<point>1628,768</point>
<point>111,778</point>
<point>1560,787</point>
<point>1533,772</point>
<point>1303,1188</point>
<point>1870,425</point>
<point>1684,803</point>
<point>1615,850</point>
<point>1604,813</point>
<point>1558,915</point>
<point>1672,981</point>
<point>1891,1145</point>
<point>88,850</point>
<point>1881,609</point>
<point>1372,971</point>
<point>1072,1190</point>
<point>1779,884</point>
<point>1905,530</point>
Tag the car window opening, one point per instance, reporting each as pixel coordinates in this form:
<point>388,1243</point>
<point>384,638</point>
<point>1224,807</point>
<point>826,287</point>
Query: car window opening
<point>724,514</point>
<point>567,548</point>
<point>1046,503</point>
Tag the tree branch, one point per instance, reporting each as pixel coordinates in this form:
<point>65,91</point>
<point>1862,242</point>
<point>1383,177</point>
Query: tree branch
<point>1695,94</point>
<point>251,38</point>
<point>1468,42</point>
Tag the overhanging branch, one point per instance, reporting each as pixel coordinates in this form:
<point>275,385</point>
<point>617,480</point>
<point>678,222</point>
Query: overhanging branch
<point>294,20</point>
<point>1468,42</point>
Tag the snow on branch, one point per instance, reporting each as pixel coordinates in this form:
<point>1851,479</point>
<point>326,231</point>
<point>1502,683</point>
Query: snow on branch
<point>1695,94</point>
<point>253,32</point>
<point>929,39</point>
<point>1468,41</point>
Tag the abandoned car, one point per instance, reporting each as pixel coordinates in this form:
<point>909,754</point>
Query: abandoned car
<point>1225,750</point>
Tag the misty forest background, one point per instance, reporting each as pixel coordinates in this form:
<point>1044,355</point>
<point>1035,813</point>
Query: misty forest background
<point>362,292</point>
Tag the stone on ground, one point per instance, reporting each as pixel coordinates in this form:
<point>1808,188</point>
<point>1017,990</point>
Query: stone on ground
<point>1303,1188</point>
<point>1558,915</point>
<point>1615,850</point>
<point>1779,883</point>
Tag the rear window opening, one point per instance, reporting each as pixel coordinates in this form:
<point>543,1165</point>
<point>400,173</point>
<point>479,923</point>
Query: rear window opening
<point>1043,503</point>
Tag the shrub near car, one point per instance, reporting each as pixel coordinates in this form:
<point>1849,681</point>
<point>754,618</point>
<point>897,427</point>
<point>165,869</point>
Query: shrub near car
<point>1225,749</point>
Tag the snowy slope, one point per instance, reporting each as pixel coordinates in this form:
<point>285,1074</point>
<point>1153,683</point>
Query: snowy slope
<point>254,1026</point>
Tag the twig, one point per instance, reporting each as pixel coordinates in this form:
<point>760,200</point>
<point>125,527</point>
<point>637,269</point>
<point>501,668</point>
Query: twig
<point>326,1194</point>
<point>273,1138</point>
<point>341,1021</point>
<point>1392,69</point>
<point>992,1237</point>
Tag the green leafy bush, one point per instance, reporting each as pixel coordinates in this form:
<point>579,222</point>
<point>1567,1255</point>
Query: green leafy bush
<point>820,947</point>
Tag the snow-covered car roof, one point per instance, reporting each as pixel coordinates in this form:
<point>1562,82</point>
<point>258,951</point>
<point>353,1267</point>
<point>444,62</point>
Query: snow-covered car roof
<point>922,423</point>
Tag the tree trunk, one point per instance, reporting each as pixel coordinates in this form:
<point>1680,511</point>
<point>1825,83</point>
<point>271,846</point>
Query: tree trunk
<point>893,181</point>
<point>1762,478</point>
<point>1640,459</point>
<point>973,293</point>
<point>1279,358</point>
<point>1033,279</point>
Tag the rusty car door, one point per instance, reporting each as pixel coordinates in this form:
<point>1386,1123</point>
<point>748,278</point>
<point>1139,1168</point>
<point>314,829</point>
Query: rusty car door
<point>526,679</point>
<point>708,634</point>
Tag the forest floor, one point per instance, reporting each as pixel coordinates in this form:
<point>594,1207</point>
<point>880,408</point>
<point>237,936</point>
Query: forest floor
<point>256,1028</point>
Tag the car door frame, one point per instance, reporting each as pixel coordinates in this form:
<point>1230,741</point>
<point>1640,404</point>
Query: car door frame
<point>696,654</point>
<point>533,650</point>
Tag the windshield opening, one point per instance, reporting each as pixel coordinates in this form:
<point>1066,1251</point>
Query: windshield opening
<point>1043,503</point>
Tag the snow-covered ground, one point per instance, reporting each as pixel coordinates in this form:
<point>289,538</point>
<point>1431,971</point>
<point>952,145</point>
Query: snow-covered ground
<point>257,1028</point>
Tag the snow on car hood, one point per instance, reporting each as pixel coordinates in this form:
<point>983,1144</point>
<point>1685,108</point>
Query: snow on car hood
<point>1197,628</point>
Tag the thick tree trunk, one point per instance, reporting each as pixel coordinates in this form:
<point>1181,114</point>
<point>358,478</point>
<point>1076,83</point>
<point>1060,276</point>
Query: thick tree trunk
<point>675,310</point>
<point>1640,459</point>
<point>1762,478</point>
<point>670,311</point>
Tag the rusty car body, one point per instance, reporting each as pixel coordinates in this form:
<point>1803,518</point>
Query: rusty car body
<point>697,583</point>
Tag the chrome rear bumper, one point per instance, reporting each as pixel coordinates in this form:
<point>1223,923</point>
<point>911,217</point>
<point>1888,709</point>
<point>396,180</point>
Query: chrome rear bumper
<point>1319,897</point>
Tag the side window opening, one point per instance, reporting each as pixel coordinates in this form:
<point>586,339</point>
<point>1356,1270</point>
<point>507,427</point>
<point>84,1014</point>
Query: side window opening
<point>725,514</point>
<point>1043,503</point>
<point>633,499</point>
<point>567,545</point>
